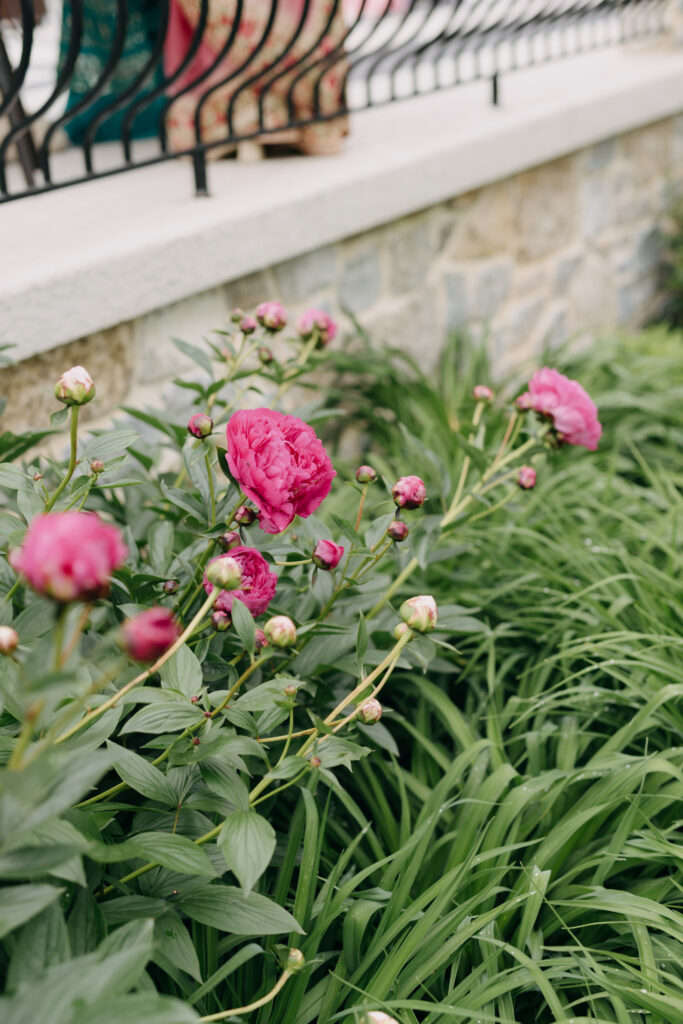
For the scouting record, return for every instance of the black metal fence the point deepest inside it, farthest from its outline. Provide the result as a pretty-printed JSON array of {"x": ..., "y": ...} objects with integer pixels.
[{"x": 90, "y": 88}]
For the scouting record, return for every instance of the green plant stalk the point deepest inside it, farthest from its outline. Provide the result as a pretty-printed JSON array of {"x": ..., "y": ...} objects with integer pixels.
[
  {"x": 263, "y": 1001},
  {"x": 113, "y": 701},
  {"x": 466, "y": 461},
  {"x": 72, "y": 457},
  {"x": 212, "y": 492}
]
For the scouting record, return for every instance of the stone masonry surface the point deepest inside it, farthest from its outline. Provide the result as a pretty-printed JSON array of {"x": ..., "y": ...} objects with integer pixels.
[{"x": 553, "y": 253}]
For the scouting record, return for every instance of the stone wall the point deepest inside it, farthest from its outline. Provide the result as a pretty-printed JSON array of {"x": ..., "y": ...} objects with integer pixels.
[{"x": 556, "y": 252}]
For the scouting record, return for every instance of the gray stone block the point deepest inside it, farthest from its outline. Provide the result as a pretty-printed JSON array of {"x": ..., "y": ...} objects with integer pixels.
[
  {"x": 598, "y": 157},
  {"x": 457, "y": 307},
  {"x": 298, "y": 280},
  {"x": 361, "y": 281},
  {"x": 411, "y": 252},
  {"x": 492, "y": 287}
]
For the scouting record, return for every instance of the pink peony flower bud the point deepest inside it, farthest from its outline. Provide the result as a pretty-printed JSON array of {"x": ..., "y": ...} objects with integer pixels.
[
  {"x": 317, "y": 320},
  {"x": 370, "y": 712},
  {"x": 280, "y": 631},
  {"x": 248, "y": 325},
  {"x": 419, "y": 613},
  {"x": 69, "y": 556},
  {"x": 265, "y": 355},
  {"x": 258, "y": 582},
  {"x": 290, "y": 691},
  {"x": 224, "y": 572},
  {"x": 200, "y": 425},
  {"x": 365, "y": 475},
  {"x": 562, "y": 401},
  {"x": 150, "y": 634},
  {"x": 482, "y": 393},
  {"x": 75, "y": 387},
  {"x": 260, "y": 639},
  {"x": 97, "y": 466},
  {"x": 9, "y": 640},
  {"x": 296, "y": 961},
  {"x": 399, "y": 629},
  {"x": 236, "y": 315},
  {"x": 397, "y": 530},
  {"x": 229, "y": 540},
  {"x": 409, "y": 492},
  {"x": 271, "y": 315},
  {"x": 170, "y": 587},
  {"x": 244, "y": 515},
  {"x": 220, "y": 621},
  {"x": 327, "y": 555},
  {"x": 526, "y": 477},
  {"x": 314, "y": 761}
]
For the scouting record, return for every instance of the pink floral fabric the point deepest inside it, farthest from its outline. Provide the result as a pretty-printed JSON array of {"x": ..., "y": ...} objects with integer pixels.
[
  {"x": 245, "y": 71},
  {"x": 573, "y": 413}
]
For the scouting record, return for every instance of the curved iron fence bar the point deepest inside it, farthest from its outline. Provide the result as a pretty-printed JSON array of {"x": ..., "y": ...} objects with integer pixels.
[
  {"x": 233, "y": 74},
  {"x": 208, "y": 71},
  {"x": 62, "y": 81},
  {"x": 406, "y": 52},
  {"x": 93, "y": 93},
  {"x": 257, "y": 77},
  {"x": 148, "y": 97},
  {"x": 121, "y": 100},
  {"x": 336, "y": 5},
  {"x": 381, "y": 52},
  {"x": 18, "y": 76},
  {"x": 336, "y": 55}
]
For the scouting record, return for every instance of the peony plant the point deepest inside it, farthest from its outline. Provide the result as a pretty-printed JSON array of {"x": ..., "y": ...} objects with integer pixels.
[{"x": 189, "y": 656}]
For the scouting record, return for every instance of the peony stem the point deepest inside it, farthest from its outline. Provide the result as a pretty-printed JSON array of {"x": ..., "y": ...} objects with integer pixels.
[
  {"x": 361, "y": 504},
  {"x": 466, "y": 461},
  {"x": 239, "y": 1010},
  {"x": 113, "y": 701},
  {"x": 212, "y": 493},
  {"x": 407, "y": 571},
  {"x": 80, "y": 626},
  {"x": 72, "y": 457}
]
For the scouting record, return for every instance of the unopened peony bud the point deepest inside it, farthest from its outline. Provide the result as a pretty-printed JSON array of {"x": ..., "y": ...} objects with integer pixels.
[
  {"x": 271, "y": 315},
  {"x": 260, "y": 639},
  {"x": 419, "y": 613},
  {"x": 399, "y": 629},
  {"x": 97, "y": 466},
  {"x": 397, "y": 530},
  {"x": 248, "y": 325},
  {"x": 317, "y": 320},
  {"x": 327, "y": 555},
  {"x": 170, "y": 587},
  {"x": 9, "y": 640},
  {"x": 376, "y": 1017},
  {"x": 526, "y": 477},
  {"x": 220, "y": 621},
  {"x": 200, "y": 425},
  {"x": 524, "y": 402},
  {"x": 224, "y": 572},
  {"x": 290, "y": 691},
  {"x": 150, "y": 634},
  {"x": 245, "y": 515},
  {"x": 236, "y": 315},
  {"x": 314, "y": 761},
  {"x": 265, "y": 355},
  {"x": 370, "y": 712},
  {"x": 409, "y": 492},
  {"x": 37, "y": 477},
  {"x": 365, "y": 475},
  {"x": 75, "y": 387},
  {"x": 229, "y": 540},
  {"x": 296, "y": 961},
  {"x": 482, "y": 393},
  {"x": 280, "y": 631}
]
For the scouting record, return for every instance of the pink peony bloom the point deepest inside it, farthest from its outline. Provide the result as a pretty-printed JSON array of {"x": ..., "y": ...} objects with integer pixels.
[
  {"x": 258, "y": 582},
  {"x": 574, "y": 415},
  {"x": 327, "y": 555},
  {"x": 271, "y": 315},
  {"x": 409, "y": 492},
  {"x": 526, "y": 477},
  {"x": 150, "y": 634},
  {"x": 280, "y": 464},
  {"x": 317, "y": 319},
  {"x": 70, "y": 556}
]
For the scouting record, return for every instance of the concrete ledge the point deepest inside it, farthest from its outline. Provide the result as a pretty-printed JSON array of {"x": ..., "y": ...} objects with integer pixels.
[{"x": 86, "y": 258}]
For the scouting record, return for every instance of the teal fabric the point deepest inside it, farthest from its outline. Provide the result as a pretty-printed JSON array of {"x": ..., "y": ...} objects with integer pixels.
[{"x": 99, "y": 27}]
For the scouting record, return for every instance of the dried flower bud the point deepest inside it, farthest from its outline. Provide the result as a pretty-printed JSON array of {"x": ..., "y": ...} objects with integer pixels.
[
  {"x": 271, "y": 315},
  {"x": 224, "y": 572},
  {"x": 526, "y": 477},
  {"x": 397, "y": 530},
  {"x": 409, "y": 492},
  {"x": 9, "y": 640},
  {"x": 314, "y": 762},
  {"x": 75, "y": 387},
  {"x": 420, "y": 613},
  {"x": 196, "y": 741},
  {"x": 327, "y": 555},
  {"x": 220, "y": 621},
  {"x": 97, "y": 466},
  {"x": 370, "y": 712},
  {"x": 248, "y": 325},
  {"x": 265, "y": 355},
  {"x": 200, "y": 425},
  {"x": 399, "y": 629},
  {"x": 244, "y": 515},
  {"x": 195, "y": 699},
  {"x": 290, "y": 691},
  {"x": 365, "y": 475},
  {"x": 229, "y": 540},
  {"x": 170, "y": 587},
  {"x": 482, "y": 393},
  {"x": 280, "y": 631},
  {"x": 296, "y": 961},
  {"x": 37, "y": 477},
  {"x": 260, "y": 639}
]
